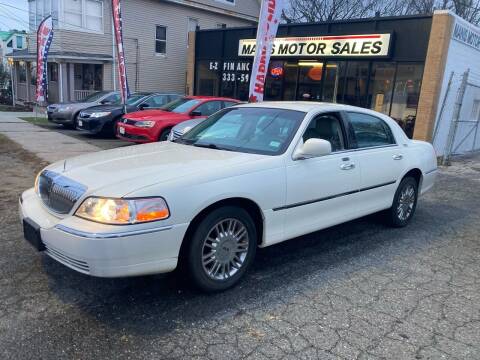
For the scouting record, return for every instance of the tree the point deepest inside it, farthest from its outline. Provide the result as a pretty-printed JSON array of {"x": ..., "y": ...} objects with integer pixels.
[{"x": 323, "y": 10}]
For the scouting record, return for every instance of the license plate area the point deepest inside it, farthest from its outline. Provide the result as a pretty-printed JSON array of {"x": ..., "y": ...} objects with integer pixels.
[
  {"x": 121, "y": 130},
  {"x": 80, "y": 123},
  {"x": 31, "y": 232}
]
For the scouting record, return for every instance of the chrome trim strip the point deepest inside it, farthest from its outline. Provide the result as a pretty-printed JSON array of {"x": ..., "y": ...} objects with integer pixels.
[
  {"x": 308, "y": 202},
  {"x": 431, "y": 171},
  {"x": 90, "y": 235}
]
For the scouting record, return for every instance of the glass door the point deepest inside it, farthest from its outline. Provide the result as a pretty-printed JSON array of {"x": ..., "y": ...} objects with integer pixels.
[{"x": 310, "y": 80}]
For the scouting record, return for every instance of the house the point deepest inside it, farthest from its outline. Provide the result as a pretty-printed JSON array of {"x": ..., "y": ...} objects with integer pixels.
[
  {"x": 9, "y": 41},
  {"x": 156, "y": 33}
]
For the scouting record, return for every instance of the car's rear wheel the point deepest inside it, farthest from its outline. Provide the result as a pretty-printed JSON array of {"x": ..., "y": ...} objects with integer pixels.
[
  {"x": 164, "y": 135},
  {"x": 221, "y": 249},
  {"x": 404, "y": 203}
]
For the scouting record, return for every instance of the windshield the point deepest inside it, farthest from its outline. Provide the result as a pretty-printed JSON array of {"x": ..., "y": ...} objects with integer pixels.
[
  {"x": 252, "y": 130},
  {"x": 95, "y": 96},
  {"x": 181, "y": 105}
]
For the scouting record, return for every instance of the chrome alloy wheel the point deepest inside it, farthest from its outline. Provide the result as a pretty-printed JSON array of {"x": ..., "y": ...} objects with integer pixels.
[
  {"x": 225, "y": 249},
  {"x": 406, "y": 202}
]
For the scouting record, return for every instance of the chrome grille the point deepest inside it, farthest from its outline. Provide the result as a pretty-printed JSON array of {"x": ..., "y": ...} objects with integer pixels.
[
  {"x": 59, "y": 193},
  {"x": 76, "y": 264},
  {"x": 128, "y": 121},
  {"x": 176, "y": 134}
]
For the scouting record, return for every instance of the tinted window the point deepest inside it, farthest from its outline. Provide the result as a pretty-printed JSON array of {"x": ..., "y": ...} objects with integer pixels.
[
  {"x": 229, "y": 103},
  {"x": 326, "y": 127},
  {"x": 156, "y": 101},
  {"x": 209, "y": 108},
  {"x": 114, "y": 98},
  {"x": 181, "y": 105},
  {"x": 370, "y": 130},
  {"x": 95, "y": 96}
]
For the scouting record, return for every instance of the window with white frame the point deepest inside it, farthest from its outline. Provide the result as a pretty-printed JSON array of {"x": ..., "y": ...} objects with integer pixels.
[
  {"x": 161, "y": 40},
  {"x": 83, "y": 14},
  {"x": 39, "y": 9},
  {"x": 476, "y": 110}
]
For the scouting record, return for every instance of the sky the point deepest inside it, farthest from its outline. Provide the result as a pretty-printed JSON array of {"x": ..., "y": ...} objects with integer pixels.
[{"x": 12, "y": 18}]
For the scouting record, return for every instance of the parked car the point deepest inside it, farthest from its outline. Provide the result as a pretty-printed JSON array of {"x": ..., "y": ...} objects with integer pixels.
[
  {"x": 249, "y": 176},
  {"x": 103, "y": 118},
  {"x": 155, "y": 125},
  {"x": 182, "y": 128},
  {"x": 67, "y": 113}
]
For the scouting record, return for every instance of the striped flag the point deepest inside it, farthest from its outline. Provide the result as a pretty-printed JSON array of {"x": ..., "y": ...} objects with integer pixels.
[
  {"x": 44, "y": 39},
  {"x": 270, "y": 13},
  {"x": 122, "y": 71}
]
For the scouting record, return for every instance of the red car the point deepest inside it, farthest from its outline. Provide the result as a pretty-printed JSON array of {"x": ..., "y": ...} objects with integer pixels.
[{"x": 155, "y": 125}]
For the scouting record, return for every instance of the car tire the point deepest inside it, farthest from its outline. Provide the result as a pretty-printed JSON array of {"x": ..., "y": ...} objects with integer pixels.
[
  {"x": 164, "y": 135},
  {"x": 404, "y": 203},
  {"x": 221, "y": 249}
]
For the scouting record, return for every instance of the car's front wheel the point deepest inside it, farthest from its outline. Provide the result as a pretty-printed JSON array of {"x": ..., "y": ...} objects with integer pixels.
[
  {"x": 164, "y": 135},
  {"x": 222, "y": 248},
  {"x": 404, "y": 203}
]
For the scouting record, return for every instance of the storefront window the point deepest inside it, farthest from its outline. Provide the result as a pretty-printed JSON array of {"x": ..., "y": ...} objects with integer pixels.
[
  {"x": 405, "y": 95},
  {"x": 274, "y": 81},
  {"x": 381, "y": 87},
  {"x": 208, "y": 77},
  {"x": 53, "y": 71},
  {"x": 333, "y": 72},
  {"x": 310, "y": 80},
  {"x": 235, "y": 78},
  {"x": 354, "y": 86},
  {"x": 290, "y": 80}
]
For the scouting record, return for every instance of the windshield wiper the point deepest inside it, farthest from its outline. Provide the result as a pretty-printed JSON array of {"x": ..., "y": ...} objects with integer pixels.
[{"x": 210, "y": 146}]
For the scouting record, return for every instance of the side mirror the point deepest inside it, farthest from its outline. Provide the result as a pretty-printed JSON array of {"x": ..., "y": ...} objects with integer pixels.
[
  {"x": 313, "y": 148},
  {"x": 105, "y": 102},
  {"x": 196, "y": 113},
  {"x": 143, "y": 106}
]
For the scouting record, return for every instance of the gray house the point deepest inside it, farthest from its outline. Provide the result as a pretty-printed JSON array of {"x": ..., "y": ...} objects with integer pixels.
[{"x": 156, "y": 40}]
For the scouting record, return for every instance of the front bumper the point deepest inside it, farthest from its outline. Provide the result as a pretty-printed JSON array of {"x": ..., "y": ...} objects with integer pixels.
[
  {"x": 93, "y": 125},
  {"x": 136, "y": 134},
  {"x": 60, "y": 117},
  {"x": 105, "y": 250}
]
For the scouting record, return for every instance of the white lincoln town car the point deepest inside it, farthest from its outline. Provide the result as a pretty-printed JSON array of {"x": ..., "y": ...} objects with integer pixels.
[{"x": 249, "y": 176}]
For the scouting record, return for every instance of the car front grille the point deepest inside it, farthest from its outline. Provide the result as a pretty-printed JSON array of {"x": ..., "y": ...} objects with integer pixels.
[
  {"x": 59, "y": 193},
  {"x": 134, "y": 137},
  {"x": 61, "y": 257},
  {"x": 84, "y": 115}
]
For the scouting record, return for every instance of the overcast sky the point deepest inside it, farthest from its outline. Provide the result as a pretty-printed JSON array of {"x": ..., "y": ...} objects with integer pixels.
[{"x": 11, "y": 17}]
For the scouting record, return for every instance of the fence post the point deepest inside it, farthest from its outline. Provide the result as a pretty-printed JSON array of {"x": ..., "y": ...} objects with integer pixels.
[
  {"x": 442, "y": 109},
  {"x": 456, "y": 117}
]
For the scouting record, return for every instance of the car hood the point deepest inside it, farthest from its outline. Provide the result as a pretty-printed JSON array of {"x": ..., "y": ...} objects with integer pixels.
[
  {"x": 157, "y": 115},
  {"x": 187, "y": 125},
  {"x": 123, "y": 170}
]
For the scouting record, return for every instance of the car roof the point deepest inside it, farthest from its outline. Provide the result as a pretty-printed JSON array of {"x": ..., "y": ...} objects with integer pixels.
[{"x": 207, "y": 97}]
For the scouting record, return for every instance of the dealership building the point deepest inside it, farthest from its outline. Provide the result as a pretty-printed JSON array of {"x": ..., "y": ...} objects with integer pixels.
[{"x": 400, "y": 66}]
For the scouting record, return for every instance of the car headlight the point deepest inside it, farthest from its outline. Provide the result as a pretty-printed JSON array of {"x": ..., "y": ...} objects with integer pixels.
[
  {"x": 145, "y": 124},
  {"x": 100, "y": 114},
  {"x": 123, "y": 211}
]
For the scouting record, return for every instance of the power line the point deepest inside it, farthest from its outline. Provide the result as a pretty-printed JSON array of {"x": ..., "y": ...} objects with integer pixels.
[{"x": 9, "y": 12}]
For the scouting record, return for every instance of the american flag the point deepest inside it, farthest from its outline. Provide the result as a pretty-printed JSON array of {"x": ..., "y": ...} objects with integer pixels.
[
  {"x": 44, "y": 39},
  {"x": 122, "y": 71}
]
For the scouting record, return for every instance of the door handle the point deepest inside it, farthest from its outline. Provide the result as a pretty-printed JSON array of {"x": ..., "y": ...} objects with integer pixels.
[
  {"x": 397, "y": 157},
  {"x": 347, "y": 166}
]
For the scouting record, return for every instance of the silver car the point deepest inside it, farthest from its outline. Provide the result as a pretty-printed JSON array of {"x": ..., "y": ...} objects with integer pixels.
[
  {"x": 66, "y": 113},
  {"x": 182, "y": 128}
]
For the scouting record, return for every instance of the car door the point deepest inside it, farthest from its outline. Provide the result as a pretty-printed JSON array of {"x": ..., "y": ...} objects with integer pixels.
[
  {"x": 208, "y": 108},
  {"x": 380, "y": 157},
  {"x": 321, "y": 191}
]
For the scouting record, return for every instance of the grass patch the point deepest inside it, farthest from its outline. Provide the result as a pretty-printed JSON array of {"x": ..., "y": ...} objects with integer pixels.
[{"x": 40, "y": 120}]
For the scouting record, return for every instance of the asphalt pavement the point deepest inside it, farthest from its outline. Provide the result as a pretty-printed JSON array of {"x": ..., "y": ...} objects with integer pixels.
[{"x": 356, "y": 291}]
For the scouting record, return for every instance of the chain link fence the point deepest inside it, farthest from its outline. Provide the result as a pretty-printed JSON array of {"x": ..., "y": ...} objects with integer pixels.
[{"x": 457, "y": 127}]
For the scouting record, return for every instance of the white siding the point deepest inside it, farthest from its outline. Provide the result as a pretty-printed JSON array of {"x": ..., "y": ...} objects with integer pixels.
[{"x": 460, "y": 58}]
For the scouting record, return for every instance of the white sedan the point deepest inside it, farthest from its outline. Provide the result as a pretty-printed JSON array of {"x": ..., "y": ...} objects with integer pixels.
[{"x": 249, "y": 176}]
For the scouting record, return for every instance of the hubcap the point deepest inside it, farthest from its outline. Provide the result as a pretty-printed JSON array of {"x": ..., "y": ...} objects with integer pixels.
[
  {"x": 406, "y": 202},
  {"x": 225, "y": 249}
]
